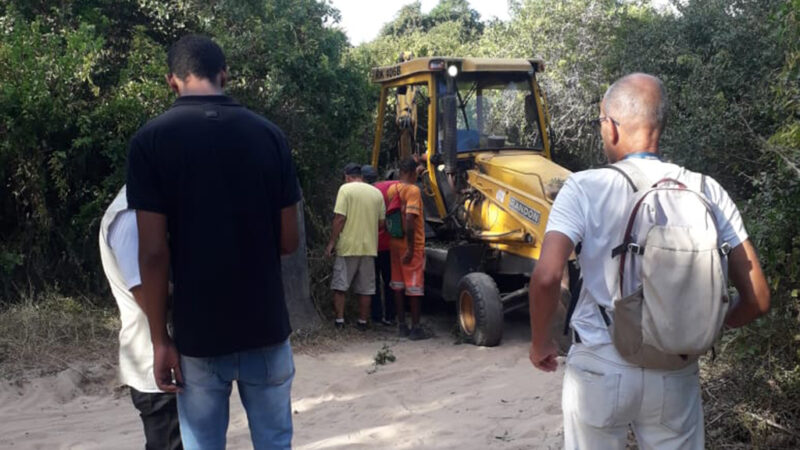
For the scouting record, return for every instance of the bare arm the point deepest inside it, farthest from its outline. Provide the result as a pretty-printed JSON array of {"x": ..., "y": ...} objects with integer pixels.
[
  {"x": 137, "y": 296},
  {"x": 543, "y": 296},
  {"x": 410, "y": 230},
  {"x": 748, "y": 278},
  {"x": 289, "y": 237},
  {"x": 154, "y": 267},
  {"x": 338, "y": 225}
]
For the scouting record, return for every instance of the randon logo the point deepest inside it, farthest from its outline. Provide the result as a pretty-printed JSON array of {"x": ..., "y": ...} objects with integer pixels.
[{"x": 529, "y": 213}]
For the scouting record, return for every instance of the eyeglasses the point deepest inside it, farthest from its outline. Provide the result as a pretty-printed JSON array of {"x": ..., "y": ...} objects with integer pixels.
[{"x": 596, "y": 122}]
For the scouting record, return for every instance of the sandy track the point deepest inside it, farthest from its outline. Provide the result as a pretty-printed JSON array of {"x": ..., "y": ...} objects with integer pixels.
[{"x": 436, "y": 395}]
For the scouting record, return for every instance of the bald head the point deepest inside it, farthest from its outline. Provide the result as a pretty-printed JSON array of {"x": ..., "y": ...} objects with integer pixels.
[{"x": 638, "y": 102}]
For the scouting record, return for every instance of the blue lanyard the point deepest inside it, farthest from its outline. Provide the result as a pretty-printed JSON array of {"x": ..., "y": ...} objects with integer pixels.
[{"x": 643, "y": 155}]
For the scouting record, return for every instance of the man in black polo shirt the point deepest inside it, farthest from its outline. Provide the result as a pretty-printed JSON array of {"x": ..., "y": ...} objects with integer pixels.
[{"x": 215, "y": 192}]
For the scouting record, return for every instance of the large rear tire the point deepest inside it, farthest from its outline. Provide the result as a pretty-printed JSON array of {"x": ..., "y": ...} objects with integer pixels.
[{"x": 480, "y": 311}]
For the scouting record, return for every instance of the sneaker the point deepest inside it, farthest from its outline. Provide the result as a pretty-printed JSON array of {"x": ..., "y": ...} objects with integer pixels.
[
  {"x": 339, "y": 325},
  {"x": 402, "y": 330},
  {"x": 418, "y": 333},
  {"x": 387, "y": 323},
  {"x": 362, "y": 326}
]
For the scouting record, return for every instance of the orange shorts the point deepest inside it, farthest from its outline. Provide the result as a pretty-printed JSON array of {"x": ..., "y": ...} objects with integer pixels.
[{"x": 409, "y": 277}]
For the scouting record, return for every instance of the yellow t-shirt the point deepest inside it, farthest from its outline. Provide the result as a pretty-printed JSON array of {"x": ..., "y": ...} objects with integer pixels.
[{"x": 362, "y": 205}]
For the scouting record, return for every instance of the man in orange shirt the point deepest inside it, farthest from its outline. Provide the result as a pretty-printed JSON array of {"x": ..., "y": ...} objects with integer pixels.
[{"x": 408, "y": 252}]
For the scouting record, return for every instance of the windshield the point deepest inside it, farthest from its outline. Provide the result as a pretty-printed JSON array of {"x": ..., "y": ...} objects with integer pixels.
[{"x": 496, "y": 111}]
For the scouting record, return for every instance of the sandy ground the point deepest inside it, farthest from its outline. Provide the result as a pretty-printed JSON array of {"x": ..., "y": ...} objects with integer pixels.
[{"x": 435, "y": 395}]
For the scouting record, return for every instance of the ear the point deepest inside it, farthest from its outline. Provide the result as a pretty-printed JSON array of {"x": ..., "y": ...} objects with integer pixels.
[
  {"x": 223, "y": 78},
  {"x": 173, "y": 85},
  {"x": 614, "y": 132}
]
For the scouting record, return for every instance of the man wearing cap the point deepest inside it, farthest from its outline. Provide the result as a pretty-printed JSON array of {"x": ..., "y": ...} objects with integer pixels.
[
  {"x": 358, "y": 214},
  {"x": 382, "y": 312}
]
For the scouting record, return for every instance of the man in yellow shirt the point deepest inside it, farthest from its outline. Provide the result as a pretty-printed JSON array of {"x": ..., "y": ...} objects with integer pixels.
[{"x": 358, "y": 214}]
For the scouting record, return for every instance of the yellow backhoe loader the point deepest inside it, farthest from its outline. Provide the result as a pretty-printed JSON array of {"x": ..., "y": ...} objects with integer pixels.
[{"x": 480, "y": 126}]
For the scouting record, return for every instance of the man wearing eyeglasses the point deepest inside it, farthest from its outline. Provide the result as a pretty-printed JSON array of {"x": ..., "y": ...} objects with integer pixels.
[{"x": 603, "y": 393}]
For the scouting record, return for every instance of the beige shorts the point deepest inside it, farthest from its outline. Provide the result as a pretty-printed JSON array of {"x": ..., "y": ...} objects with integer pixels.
[{"x": 355, "y": 271}]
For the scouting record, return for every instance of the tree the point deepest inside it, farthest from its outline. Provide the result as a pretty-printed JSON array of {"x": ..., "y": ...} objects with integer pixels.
[
  {"x": 411, "y": 19},
  {"x": 78, "y": 77}
]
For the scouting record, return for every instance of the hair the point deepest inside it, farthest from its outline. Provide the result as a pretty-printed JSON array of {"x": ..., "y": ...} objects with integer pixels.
[
  {"x": 196, "y": 55},
  {"x": 631, "y": 102},
  {"x": 369, "y": 173},
  {"x": 352, "y": 170},
  {"x": 408, "y": 165}
]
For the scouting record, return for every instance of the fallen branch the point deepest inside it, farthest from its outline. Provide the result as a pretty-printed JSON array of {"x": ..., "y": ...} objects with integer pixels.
[
  {"x": 773, "y": 424},
  {"x": 721, "y": 415},
  {"x": 708, "y": 392}
]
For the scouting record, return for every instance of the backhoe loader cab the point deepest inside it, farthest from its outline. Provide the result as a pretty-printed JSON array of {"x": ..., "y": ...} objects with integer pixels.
[{"x": 480, "y": 127}]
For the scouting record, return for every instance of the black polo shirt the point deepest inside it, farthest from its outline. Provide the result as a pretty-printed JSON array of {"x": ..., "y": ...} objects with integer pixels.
[{"x": 221, "y": 174}]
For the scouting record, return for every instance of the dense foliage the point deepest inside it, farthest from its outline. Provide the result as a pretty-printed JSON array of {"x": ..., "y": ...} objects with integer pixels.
[{"x": 78, "y": 77}]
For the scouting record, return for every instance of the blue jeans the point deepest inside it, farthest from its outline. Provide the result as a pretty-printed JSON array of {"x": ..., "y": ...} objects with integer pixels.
[{"x": 264, "y": 378}]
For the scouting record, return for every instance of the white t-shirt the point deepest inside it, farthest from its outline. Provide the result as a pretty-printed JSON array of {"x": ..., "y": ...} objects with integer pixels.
[
  {"x": 119, "y": 249},
  {"x": 123, "y": 237},
  {"x": 591, "y": 209}
]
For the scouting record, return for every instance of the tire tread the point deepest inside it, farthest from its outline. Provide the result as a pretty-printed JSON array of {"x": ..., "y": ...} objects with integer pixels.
[{"x": 487, "y": 306}]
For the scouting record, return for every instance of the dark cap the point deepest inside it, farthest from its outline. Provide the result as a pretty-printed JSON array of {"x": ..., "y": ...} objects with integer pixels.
[
  {"x": 352, "y": 169},
  {"x": 369, "y": 173}
]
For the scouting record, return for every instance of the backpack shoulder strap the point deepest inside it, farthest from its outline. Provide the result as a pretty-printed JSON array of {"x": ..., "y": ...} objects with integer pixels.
[
  {"x": 635, "y": 177},
  {"x": 624, "y": 174},
  {"x": 643, "y": 184},
  {"x": 393, "y": 191},
  {"x": 703, "y": 185}
]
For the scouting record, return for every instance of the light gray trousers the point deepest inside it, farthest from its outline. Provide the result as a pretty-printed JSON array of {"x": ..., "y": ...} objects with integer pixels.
[{"x": 603, "y": 394}]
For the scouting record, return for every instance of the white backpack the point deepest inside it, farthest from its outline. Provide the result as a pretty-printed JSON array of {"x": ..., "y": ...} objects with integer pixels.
[{"x": 671, "y": 295}]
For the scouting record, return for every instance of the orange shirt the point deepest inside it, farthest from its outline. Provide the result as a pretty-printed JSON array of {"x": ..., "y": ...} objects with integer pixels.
[{"x": 411, "y": 198}]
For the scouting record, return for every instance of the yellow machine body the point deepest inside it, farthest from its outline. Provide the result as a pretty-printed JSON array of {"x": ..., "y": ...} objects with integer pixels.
[
  {"x": 512, "y": 213},
  {"x": 517, "y": 187}
]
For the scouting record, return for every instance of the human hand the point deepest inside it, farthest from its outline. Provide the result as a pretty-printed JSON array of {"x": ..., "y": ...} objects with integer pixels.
[
  {"x": 167, "y": 367},
  {"x": 543, "y": 356},
  {"x": 407, "y": 256},
  {"x": 329, "y": 249}
]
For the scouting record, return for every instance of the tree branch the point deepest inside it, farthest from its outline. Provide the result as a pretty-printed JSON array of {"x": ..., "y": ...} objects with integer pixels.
[
  {"x": 765, "y": 145},
  {"x": 773, "y": 424}
]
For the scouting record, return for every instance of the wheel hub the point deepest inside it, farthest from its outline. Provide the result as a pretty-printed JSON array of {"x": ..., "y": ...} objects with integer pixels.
[{"x": 466, "y": 313}]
